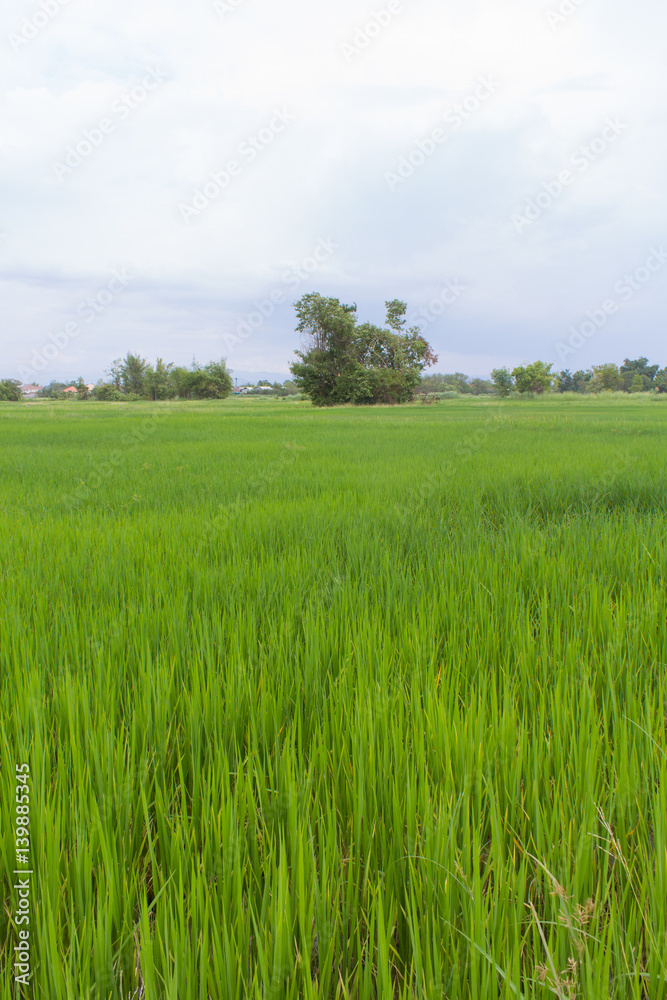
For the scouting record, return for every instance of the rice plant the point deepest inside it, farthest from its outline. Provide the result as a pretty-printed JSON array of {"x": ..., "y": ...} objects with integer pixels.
[{"x": 343, "y": 704}]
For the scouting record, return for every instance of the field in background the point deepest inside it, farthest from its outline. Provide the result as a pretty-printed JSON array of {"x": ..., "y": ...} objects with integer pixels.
[{"x": 350, "y": 703}]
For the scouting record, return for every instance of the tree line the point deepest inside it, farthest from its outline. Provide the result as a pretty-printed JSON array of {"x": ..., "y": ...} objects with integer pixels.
[
  {"x": 634, "y": 375},
  {"x": 344, "y": 361}
]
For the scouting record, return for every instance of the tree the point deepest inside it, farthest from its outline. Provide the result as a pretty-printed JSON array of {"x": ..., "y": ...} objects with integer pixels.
[
  {"x": 156, "y": 380},
  {"x": 502, "y": 381},
  {"x": 54, "y": 390},
  {"x": 116, "y": 372},
  {"x": 480, "y": 387},
  {"x": 660, "y": 380},
  {"x": 563, "y": 381},
  {"x": 107, "y": 392},
  {"x": 606, "y": 378},
  {"x": 133, "y": 373},
  {"x": 211, "y": 381},
  {"x": 349, "y": 363},
  {"x": 81, "y": 389},
  {"x": 10, "y": 390},
  {"x": 581, "y": 381},
  {"x": 639, "y": 367},
  {"x": 533, "y": 378}
]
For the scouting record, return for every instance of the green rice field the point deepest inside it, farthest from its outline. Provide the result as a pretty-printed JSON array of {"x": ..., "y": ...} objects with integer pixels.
[{"x": 351, "y": 703}]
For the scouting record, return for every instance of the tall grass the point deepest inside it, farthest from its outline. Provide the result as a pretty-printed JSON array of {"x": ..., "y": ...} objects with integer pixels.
[{"x": 337, "y": 704}]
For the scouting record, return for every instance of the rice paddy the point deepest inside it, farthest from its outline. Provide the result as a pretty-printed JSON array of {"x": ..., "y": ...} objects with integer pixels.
[{"x": 345, "y": 704}]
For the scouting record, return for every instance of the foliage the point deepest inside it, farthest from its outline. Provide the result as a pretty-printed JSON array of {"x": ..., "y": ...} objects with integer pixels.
[
  {"x": 210, "y": 381},
  {"x": 10, "y": 390},
  {"x": 54, "y": 390},
  {"x": 363, "y": 364},
  {"x": 638, "y": 375},
  {"x": 133, "y": 369},
  {"x": 536, "y": 377},
  {"x": 502, "y": 381},
  {"x": 107, "y": 392},
  {"x": 156, "y": 380},
  {"x": 606, "y": 378}
]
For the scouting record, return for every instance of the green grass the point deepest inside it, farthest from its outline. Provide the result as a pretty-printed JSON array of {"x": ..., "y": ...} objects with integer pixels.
[{"x": 350, "y": 703}]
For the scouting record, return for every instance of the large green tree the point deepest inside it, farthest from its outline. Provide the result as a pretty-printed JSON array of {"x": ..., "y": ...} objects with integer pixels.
[{"x": 344, "y": 362}]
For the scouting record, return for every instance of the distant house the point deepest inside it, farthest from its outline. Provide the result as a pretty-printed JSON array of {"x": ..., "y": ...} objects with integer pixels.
[
  {"x": 30, "y": 391},
  {"x": 71, "y": 389}
]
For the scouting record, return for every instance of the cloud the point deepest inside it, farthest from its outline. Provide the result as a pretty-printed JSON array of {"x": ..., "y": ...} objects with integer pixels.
[{"x": 223, "y": 73}]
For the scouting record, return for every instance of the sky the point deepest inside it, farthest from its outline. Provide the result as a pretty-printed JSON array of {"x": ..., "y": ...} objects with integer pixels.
[{"x": 175, "y": 176}]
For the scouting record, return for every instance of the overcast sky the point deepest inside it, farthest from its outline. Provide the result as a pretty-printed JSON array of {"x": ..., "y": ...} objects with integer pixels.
[{"x": 175, "y": 175}]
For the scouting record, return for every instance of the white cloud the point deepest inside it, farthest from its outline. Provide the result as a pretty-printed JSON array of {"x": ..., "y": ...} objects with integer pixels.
[{"x": 324, "y": 175}]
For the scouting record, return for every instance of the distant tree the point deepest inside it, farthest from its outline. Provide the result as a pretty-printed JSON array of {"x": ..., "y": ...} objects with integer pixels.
[
  {"x": 481, "y": 387},
  {"x": 660, "y": 380},
  {"x": 115, "y": 371},
  {"x": 639, "y": 367},
  {"x": 107, "y": 392},
  {"x": 502, "y": 381},
  {"x": 536, "y": 377},
  {"x": 563, "y": 381},
  {"x": 54, "y": 390},
  {"x": 10, "y": 390},
  {"x": 156, "y": 380},
  {"x": 81, "y": 389},
  {"x": 133, "y": 370},
  {"x": 606, "y": 378},
  {"x": 364, "y": 364},
  {"x": 211, "y": 381},
  {"x": 581, "y": 381}
]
